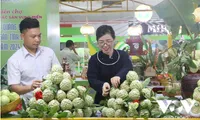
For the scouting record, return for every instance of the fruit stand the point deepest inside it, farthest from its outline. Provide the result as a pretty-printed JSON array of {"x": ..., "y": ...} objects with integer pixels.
[{"x": 62, "y": 97}]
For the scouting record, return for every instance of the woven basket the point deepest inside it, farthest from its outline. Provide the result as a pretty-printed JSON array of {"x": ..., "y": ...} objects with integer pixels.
[{"x": 10, "y": 107}]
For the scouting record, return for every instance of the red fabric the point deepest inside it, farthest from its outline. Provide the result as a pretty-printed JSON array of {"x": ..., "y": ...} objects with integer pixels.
[
  {"x": 19, "y": 107},
  {"x": 136, "y": 101},
  {"x": 65, "y": 25},
  {"x": 38, "y": 95}
]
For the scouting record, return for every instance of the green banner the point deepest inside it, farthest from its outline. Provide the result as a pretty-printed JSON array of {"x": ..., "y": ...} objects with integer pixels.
[{"x": 12, "y": 12}]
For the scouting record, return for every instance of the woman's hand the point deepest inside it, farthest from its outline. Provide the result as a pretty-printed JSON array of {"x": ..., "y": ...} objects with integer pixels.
[
  {"x": 105, "y": 89},
  {"x": 115, "y": 81}
]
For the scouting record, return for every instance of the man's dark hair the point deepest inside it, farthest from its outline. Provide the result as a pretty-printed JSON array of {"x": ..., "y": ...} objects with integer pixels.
[
  {"x": 105, "y": 29},
  {"x": 69, "y": 43},
  {"x": 28, "y": 23}
]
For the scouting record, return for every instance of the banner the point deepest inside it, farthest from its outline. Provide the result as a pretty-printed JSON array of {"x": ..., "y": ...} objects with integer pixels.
[{"x": 12, "y": 12}]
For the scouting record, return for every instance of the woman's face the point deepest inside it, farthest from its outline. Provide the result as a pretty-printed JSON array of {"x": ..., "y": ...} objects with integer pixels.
[{"x": 106, "y": 44}]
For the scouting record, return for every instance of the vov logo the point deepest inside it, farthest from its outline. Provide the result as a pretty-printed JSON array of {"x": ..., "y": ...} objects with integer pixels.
[{"x": 164, "y": 104}]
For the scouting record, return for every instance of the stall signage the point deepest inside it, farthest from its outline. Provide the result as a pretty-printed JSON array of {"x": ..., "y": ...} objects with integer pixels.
[{"x": 152, "y": 27}]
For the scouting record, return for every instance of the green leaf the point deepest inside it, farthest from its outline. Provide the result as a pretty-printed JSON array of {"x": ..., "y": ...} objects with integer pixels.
[
  {"x": 52, "y": 111},
  {"x": 175, "y": 15},
  {"x": 23, "y": 104},
  {"x": 34, "y": 113},
  {"x": 62, "y": 115},
  {"x": 144, "y": 43},
  {"x": 191, "y": 63},
  {"x": 146, "y": 82},
  {"x": 173, "y": 62}
]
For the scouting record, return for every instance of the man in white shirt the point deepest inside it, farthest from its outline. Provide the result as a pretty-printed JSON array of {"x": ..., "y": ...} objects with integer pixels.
[
  {"x": 27, "y": 66},
  {"x": 71, "y": 55}
]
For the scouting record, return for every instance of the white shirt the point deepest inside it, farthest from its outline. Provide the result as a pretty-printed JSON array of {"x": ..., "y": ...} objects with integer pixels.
[
  {"x": 71, "y": 58},
  {"x": 24, "y": 67}
]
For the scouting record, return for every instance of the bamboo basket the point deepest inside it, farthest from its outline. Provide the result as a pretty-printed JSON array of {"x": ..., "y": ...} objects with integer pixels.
[{"x": 10, "y": 107}]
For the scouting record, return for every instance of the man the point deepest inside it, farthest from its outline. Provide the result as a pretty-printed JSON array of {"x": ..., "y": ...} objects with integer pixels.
[
  {"x": 27, "y": 66},
  {"x": 71, "y": 55}
]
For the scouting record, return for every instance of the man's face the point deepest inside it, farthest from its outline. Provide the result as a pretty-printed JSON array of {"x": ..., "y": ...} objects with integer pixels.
[
  {"x": 31, "y": 38},
  {"x": 106, "y": 43}
]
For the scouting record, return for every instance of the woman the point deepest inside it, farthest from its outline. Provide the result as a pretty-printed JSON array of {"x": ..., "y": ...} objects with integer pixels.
[{"x": 108, "y": 67}]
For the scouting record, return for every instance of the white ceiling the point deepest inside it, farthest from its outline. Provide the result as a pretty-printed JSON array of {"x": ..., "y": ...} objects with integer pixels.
[
  {"x": 119, "y": 21},
  {"x": 101, "y": 17}
]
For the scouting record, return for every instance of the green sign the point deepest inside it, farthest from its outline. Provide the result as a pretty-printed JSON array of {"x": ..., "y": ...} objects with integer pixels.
[{"x": 12, "y": 12}]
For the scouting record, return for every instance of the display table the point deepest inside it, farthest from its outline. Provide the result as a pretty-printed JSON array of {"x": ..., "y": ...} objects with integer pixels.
[{"x": 100, "y": 119}]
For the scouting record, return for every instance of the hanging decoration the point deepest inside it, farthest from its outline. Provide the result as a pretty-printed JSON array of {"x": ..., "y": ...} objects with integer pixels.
[
  {"x": 143, "y": 16},
  {"x": 197, "y": 14},
  {"x": 87, "y": 29},
  {"x": 135, "y": 30}
]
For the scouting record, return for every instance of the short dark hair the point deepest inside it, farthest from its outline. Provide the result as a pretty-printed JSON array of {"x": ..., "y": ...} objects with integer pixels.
[
  {"x": 104, "y": 29},
  {"x": 28, "y": 23},
  {"x": 69, "y": 43}
]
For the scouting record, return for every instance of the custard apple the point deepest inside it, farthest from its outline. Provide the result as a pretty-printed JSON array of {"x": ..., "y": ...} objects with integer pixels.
[
  {"x": 144, "y": 113},
  {"x": 72, "y": 94},
  {"x": 89, "y": 100},
  {"x": 156, "y": 112},
  {"x": 28, "y": 109},
  {"x": 195, "y": 111},
  {"x": 119, "y": 101},
  {"x": 87, "y": 112},
  {"x": 103, "y": 111},
  {"x": 54, "y": 104},
  {"x": 147, "y": 92},
  {"x": 66, "y": 104},
  {"x": 48, "y": 95},
  {"x": 69, "y": 113},
  {"x": 66, "y": 75},
  {"x": 57, "y": 77},
  {"x": 78, "y": 113},
  {"x": 113, "y": 92},
  {"x": 116, "y": 106},
  {"x": 131, "y": 76},
  {"x": 81, "y": 90},
  {"x": 110, "y": 112},
  {"x": 136, "y": 85},
  {"x": 132, "y": 106},
  {"x": 46, "y": 84},
  {"x": 198, "y": 83},
  {"x": 32, "y": 102},
  {"x": 132, "y": 113},
  {"x": 110, "y": 102},
  {"x": 56, "y": 68},
  {"x": 122, "y": 94},
  {"x": 36, "y": 90},
  {"x": 48, "y": 77},
  {"x": 78, "y": 103},
  {"x": 120, "y": 113},
  {"x": 125, "y": 86},
  {"x": 55, "y": 115},
  {"x": 134, "y": 94},
  {"x": 65, "y": 85},
  {"x": 196, "y": 96},
  {"x": 146, "y": 104},
  {"x": 41, "y": 103},
  {"x": 61, "y": 95}
]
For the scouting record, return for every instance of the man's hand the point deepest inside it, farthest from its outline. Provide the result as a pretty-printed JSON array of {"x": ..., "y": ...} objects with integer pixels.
[
  {"x": 35, "y": 84},
  {"x": 105, "y": 89},
  {"x": 115, "y": 81}
]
